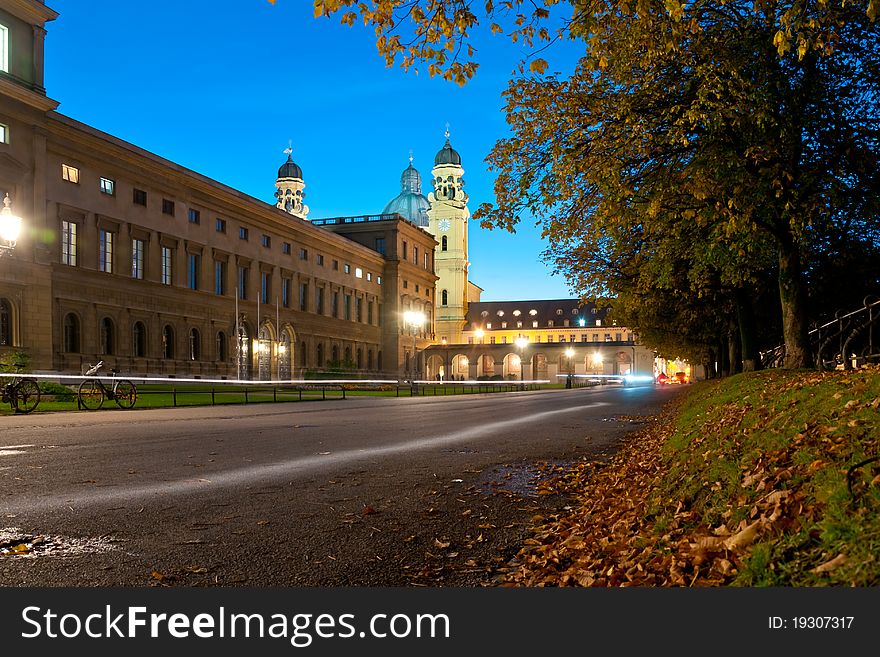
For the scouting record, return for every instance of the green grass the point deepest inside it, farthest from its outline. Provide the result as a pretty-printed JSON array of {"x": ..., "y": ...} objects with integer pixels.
[{"x": 797, "y": 432}]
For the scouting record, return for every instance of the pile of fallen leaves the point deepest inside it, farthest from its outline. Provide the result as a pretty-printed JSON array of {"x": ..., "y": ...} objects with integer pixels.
[{"x": 761, "y": 479}]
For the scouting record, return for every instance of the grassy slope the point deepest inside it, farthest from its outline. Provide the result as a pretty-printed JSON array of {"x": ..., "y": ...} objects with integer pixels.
[{"x": 744, "y": 482}]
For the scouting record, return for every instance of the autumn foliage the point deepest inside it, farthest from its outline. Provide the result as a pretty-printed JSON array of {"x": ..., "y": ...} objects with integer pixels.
[{"x": 767, "y": 479}]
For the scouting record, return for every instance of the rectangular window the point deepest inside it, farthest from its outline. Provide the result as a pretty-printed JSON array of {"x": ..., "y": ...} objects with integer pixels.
[
  {"x": 266, "y": 241},
  {"x": 195, "y": 217},
  {"x": 4, "y": 49},
  {"x": 303, "y": 254},
  {"x": 265, "y": 286},
  {"x": 504, "y": 325},
  {"x": 70, "y": 174},
  {"x": 319, "y": 300},
  {"x": 137, "y": 258},
  {"x": 304, "y": 296},
  {"x": 220, "y": 225},
  {"x": 405, "y": 251},
  {"x": 572, "y": 338},
  {"x": 415, "y": 255},
  {"x": 285, "y": 248},
  {"x": 193, "y": 264},
  {"x": 335, "y": 307},
  {"x": 427, "y": 260},
  {"x": 167, "y": 207},
  {"x": 4, "y": 132},
  {"x": 492, "y": 340},
  {"x": 108, "y": 186},
  {"x": 319, "y": 259},
  {"x": 369, "y": 276},
  {"x": 105, "y": 251},
  {"x": 378, "y": 280},
  {"x": 68, "y": 243},
  {"x": 358, "y": 272},
  {"x": 595, "y": 337},
  {"x": 335, "y": 265},
  {"x": 503, "y": 339},
  {"x": 347, "y": 307},
  {"x": 535, "y": 323},
  {"x": 242, "y": 282},
  {"x": 380, "y": 245},
  {"x": 285, "y": 292},
  {"x": 219, "y": 277},
  {"x": 488, "y": 325},
  {"x": 139, "y": 197},
  {"x": 167, "y": 258},
  {"x": 369, "y": 312},
  {"x": 583, "y": 337},
  {"x": 617, "y": 337},
  {"x": 242, "y": 233},
  {"x": 346, "y": 268},
  {"x": 358, "y": 307},
  {"x": 405, "y": 284}
]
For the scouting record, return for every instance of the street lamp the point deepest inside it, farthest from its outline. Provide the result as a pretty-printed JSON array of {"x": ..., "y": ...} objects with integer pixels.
[
  {"x": 10, "y": 227},
  {"x": 415, "y": 320},
  {"x": 570, "y": 354},
  {"x": 522, "y": 342},
  {"x": 479, "y": 333},
  {"x": 445, "y": 359},
  {"x": 596, "y": 360}
]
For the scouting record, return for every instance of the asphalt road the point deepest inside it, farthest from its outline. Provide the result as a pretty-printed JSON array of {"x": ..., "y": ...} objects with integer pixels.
[{"x": 364, "y": 491}]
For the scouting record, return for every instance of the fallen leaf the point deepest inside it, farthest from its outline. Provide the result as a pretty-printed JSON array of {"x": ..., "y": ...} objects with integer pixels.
[
  {"x": 830, "y": 565},
  {"x": 743, "y": 538}
]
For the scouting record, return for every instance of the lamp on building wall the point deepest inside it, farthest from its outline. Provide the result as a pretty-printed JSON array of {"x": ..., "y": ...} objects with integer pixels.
[
  {"x": 522, "y": 342},
  {"x": 10, "y": 227},
  {"x": 416, "y": 320},
  {"x": 479, "y": 334},
  {"x": 596, "y": 360},
  {"x": 445, "y": 359}
]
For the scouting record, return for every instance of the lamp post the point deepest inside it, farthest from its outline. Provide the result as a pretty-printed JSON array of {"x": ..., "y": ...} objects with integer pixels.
[
  {"x": 10, "y": 227},
  {"x": 570, "y": 354},
  {"x": 522, "y": 342},
  {"x": 445, "y": 359},
  {"x": 415, "y": 320},
  {"x": 479, "y": 334}
]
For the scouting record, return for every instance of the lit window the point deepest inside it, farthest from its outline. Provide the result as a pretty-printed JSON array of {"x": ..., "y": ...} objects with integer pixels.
[
  {"x": 4, "y": 134},
  {"x": 378, "y": 280},
  {"x": 346, "y": 269},
  {"x": 598, "y": 322},
  {"x": 69, "y": 173},
  {"x": 488, "y": 325},
  {"x": 108, "y": 186},
  {"x": 68, "y": 243},
  {"x": 516, "y": 313},
  {"x": 369, "y": 276},
  {"x": 4, "y": 49},
  {"x": 535, "y": 324},
  {"x": 358, "y": 272}
]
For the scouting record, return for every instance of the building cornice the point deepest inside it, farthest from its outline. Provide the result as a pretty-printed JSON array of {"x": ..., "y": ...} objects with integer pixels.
[
  {"x": 32, "y": 11},
  {"x": 24, "y": 95}
]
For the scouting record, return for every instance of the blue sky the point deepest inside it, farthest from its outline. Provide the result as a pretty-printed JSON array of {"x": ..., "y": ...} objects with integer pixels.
[{"x": 222, "y": 86}]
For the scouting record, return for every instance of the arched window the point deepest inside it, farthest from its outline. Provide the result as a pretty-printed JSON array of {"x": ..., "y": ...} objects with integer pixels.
[
  {"x": 71, "y": 333},
  {"x": 335, "y": 356},
  {"x": 369, "y": 359},
  {"x": 303, "y": 355},
  {"x": 195, "y": 344},
  {"x": 222, "y": 352},
  {"x": 444, "y": 243},
  {"x": 347, "y": 355},
  {"x": 319, "y": 354},
  {"x": 360, "y": 358},
  {"x": 139, "y": 340},
  {"x": 108, "y": 335},
  {"x": 5, "y": 322},
  {"x": 284, "y": 357},
  {"x": 168, "y": 342},
  {"x": 444, "y": 298}
]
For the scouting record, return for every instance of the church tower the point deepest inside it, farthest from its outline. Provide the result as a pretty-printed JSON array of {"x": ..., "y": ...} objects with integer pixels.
[
  {"x": 290, "y": 188},
  {"x": 448, "y": 217}
]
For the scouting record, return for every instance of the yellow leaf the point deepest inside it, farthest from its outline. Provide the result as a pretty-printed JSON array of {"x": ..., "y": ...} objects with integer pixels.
[
  {"x": 538, "y": 66},
  {"x": 743, "y": 538},
  {"x": 830, "y": 565}
]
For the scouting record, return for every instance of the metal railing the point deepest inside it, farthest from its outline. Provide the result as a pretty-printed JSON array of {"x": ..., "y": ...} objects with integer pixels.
[{"x": 846, "y": 342}]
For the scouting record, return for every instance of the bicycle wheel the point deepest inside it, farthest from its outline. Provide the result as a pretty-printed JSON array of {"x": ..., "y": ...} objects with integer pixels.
[
  {"x": 91, "y": 394},
  {"x": 27, "y": 396},
  {"x": 125, "y": 394}
]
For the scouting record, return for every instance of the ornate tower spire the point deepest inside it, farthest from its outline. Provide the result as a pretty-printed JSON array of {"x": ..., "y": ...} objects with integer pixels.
[{"x": 289, "y": 187}]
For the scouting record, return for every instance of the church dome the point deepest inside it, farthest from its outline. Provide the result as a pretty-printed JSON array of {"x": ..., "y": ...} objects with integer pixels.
[
  {"x": 290, "y": 169},
  {"x": 447, "y": 155},
  {"x": 410, "y": 203}
]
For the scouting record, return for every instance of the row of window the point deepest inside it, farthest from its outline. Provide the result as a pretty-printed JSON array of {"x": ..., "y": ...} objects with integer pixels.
[
  {"x": 139, "y": 197},
  {"x": 341, "y": 306},
  {"x": 585, "y": 337},
  {"x": 535, "y": 324},
  {"x": 108, "y": 344}
]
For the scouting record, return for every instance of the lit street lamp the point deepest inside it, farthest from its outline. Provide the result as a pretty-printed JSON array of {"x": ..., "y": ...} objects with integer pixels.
[
  {"x": 415, "y": 320},
  {"x": 570, "y": 354},
  {"x": 10, "y": 227},
  {"x": 479, "y": 333},
  {"x": 522, "y": 342},
  {"x": 445, "y": 359}
]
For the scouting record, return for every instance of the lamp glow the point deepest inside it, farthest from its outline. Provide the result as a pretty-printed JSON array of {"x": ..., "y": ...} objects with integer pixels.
[{"x": 10, "y": 225}]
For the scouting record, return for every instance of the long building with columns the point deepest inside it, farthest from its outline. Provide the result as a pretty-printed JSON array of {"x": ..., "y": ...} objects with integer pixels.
[{"x": 132, "y": 259}]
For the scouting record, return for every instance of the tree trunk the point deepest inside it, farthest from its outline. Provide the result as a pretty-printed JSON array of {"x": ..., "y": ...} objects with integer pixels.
[
  {"x": 748, "y": 330},
  {"x": 723, "y": 357},
  {"x": 733, "y": 349},
  {"x": 793, "y": 299}
]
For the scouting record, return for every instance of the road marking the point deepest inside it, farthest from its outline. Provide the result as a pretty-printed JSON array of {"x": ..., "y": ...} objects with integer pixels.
[
  {"x": 252, "y": 474},
  {"x": 10, "y": 450}
]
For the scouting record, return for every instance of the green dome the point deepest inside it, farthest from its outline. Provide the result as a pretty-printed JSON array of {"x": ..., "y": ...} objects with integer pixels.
[{"x": 410, "y": 203}]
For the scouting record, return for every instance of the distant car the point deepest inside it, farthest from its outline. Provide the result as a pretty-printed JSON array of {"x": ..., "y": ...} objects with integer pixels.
[{"x": 680, "y": 377}]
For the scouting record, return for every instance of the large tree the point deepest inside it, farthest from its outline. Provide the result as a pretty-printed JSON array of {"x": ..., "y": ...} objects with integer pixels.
[{"x": 755, "y": 121}]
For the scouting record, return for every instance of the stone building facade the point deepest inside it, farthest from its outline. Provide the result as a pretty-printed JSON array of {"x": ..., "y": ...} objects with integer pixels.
[{"x": 132, "y": 259}]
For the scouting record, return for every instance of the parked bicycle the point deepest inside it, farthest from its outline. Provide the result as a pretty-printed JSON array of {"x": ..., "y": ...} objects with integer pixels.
[
  {"x": 22, "y": 394},
  {"x": 93, "y": 391}
]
